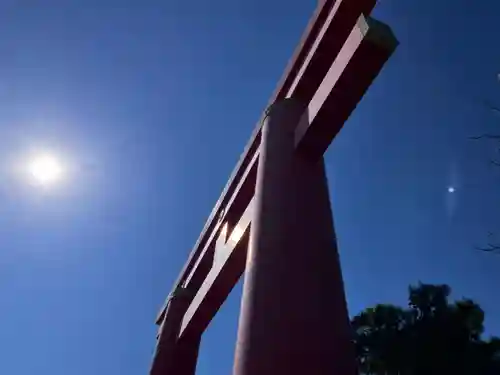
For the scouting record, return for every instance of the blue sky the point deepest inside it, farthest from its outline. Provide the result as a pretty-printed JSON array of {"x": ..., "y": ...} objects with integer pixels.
[{"x": 150, "y": 103}]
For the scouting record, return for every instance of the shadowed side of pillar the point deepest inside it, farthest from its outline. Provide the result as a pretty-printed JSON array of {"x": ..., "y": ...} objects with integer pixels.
[
  {"x": 293, "y": 314},
  {"x": 186, "y": 356},
  {"x": 165, "y": 355}
]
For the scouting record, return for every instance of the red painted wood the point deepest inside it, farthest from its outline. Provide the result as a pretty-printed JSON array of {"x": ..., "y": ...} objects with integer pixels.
[
  {"x": 366, "y": 50},
  {"x": 293, "y": 316},
  {"x": 288, "y": 224},
  {"x": 164, "y": 356},
  {"x": 236, "y": 205},
  {"x": 325, "y": 48},
  {"x": 307, "y": 40},
  {"x": 229, "y": 264}
]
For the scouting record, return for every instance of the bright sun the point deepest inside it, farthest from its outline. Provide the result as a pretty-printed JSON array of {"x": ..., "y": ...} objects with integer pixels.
[{"x": 45, "y": 169}]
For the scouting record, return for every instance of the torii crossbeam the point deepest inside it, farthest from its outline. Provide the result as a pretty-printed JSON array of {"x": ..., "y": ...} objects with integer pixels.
[{"x": 273, "y": 221}]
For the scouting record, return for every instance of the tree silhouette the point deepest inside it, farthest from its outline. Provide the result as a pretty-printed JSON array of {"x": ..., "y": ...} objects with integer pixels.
[
  {"x": 492, "y": 246},
  {"x": 431, "y": 336}
]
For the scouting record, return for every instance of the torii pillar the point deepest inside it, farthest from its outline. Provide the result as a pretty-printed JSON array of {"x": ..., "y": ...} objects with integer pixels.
[{"x": 293, "y": 313}]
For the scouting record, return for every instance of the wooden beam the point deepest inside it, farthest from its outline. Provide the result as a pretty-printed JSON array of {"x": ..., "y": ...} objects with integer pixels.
[
  {"x": 234, "y": 210},
  {"x": 229, "y": 264},
  {"x": 327, "y": 45},
  {"x": 368, "y": 47},
  {"x": 236, "y": 203}
]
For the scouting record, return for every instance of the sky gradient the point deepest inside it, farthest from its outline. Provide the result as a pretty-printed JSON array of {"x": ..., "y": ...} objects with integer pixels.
[{"x": 150, "y": 104}]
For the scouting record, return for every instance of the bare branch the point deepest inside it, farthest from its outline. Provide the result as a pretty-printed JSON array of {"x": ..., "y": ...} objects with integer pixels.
[
  {"x": 486, "y": 136},
  {"x": 492, "y": 107},
  {"x": 490, "y": 249}
]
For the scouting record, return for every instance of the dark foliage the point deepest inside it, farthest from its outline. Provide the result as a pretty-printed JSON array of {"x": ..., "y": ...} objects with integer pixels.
[{"x": 431, "y": 336}]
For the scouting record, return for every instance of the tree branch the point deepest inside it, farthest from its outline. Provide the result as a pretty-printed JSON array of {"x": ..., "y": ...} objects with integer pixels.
[
  {"x": 491, "y": 248},
  {"x": 486, "y": 136},
  {"x": 492, "y": 107}
]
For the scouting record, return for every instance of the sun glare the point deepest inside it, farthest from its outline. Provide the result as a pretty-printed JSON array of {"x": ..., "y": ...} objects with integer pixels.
[{"x": 45, "y": 169}]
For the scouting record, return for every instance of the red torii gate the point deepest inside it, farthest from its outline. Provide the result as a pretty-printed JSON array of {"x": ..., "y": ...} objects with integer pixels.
[{"x": 273, "y": 220}]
